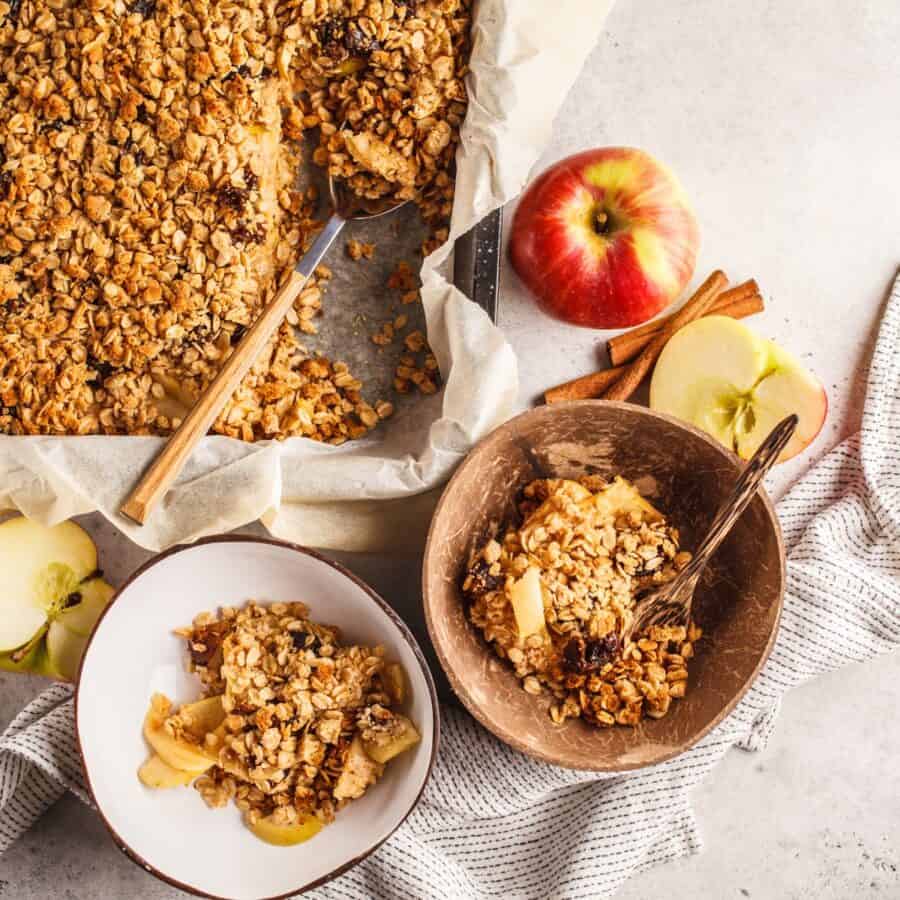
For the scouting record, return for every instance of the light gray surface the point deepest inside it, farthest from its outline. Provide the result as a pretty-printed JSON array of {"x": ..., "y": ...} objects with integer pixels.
[{"x": 780, "y": 119}]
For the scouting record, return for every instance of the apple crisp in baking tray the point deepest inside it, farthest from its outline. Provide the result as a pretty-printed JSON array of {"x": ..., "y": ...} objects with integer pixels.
[{"x": 161, "y": 164}]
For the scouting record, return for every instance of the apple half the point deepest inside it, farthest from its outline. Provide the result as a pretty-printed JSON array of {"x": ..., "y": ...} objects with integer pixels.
[
  {"x": 51, "y": 596},
  {"x": 719, "y": 375}
]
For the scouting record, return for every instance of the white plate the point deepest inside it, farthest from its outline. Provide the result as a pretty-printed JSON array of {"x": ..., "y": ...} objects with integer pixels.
[{"x": 133, "y": 653}]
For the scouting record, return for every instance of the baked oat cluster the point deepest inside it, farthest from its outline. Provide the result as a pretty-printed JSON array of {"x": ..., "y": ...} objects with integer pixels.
[
  {"x": 301, "y": 724},
  {"x": 148, "y": 200},
  {"x": 555, "y": 597}
]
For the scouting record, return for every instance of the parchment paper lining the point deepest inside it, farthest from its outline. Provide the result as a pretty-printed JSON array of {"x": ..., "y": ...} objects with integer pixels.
[{"x": 376, "y": 493}]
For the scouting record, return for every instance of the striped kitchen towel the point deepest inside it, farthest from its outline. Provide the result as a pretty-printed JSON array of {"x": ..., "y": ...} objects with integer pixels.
[{"x": 493, "y": 823}]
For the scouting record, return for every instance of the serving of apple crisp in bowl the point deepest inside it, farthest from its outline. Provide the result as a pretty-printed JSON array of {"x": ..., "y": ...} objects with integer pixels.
[
  {"x": 280, "y": 740},
  {"x": 292, "y": 727},
  {"x": 547, "y": 536},
  {"x": 555, "y": 597}
]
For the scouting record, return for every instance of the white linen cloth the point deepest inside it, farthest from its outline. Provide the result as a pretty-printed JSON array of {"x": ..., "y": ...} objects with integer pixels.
[{"x": 493, "y": 823}]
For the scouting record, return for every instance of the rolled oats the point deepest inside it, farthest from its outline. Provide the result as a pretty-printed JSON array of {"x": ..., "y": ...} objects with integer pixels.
[
  {"x": 596, "y": 548},
  {"x": 302, "y": 712},
  {"x": 147, "y": 206}
]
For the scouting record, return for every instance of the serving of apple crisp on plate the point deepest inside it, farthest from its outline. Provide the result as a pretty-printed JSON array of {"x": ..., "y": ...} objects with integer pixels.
[
  {"x": 555, "y": 597},
  {"x": 291, "y": 716},
  {"x": 293, "y": 725},
  {"x": 149, "y": 203}
]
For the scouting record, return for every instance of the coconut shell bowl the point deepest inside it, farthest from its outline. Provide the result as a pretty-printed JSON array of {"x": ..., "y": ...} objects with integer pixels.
[{"x": 686, "y": 475}]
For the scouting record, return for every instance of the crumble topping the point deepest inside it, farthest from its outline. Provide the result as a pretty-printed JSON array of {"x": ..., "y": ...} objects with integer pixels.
[
  {"x": 590, "y": 549},
  {"x": 294, "y": 724},
  {"x": 148, "y": 208}
]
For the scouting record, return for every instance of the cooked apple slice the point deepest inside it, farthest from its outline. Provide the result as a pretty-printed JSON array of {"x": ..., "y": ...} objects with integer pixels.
[
  {"x": 719, "y": 375},
  {"x": 41, "y": 567},
  {"x": 560, "y": 488},
  {"x": 527, "y": 599},
  {"x": 203, "y": 716},
  {"x": 178, "y": 754},
  {"x": 286, "y": 835},
  {"x": 407, "y": 737},
  {"x": 619, "y": 498},
  {"x": 395, "y": 682},
  {"x": 359, "y": 771},
  {"x": 155, "y": 773}
]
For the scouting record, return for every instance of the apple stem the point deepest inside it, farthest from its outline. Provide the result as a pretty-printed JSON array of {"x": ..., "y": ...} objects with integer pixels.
[{"x": 601, "y": 221}]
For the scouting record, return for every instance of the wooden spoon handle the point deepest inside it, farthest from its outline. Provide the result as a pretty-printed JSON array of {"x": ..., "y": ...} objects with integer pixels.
[
  {"x": 671, "y": 604},
  {"x": 742, "y": 493},
  {"x": 165, "y": 468}
]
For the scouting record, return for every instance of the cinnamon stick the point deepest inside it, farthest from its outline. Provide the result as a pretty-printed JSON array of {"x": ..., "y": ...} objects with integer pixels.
[
  {"x": 737, "y": 302},
  {"x": 637, "y": 370},
  {"x": 584, "y": 388}
]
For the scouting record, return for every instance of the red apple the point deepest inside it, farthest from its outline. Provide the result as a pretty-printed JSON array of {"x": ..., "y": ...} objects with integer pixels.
[{"x": 605, "y": 238}]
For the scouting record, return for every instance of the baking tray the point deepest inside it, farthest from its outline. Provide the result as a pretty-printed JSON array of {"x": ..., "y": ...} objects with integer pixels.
[{"x": 357, "y": 302}]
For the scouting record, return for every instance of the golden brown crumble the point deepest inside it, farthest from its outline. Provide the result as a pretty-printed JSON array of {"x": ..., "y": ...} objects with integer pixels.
[
  {"x": 300, "y": 713},
  {"x": 148, "y": 153},
  {"x": 411, "y": 372},
  {"x": 589, "y": 548},
  {"x": 385, "y": 335},
  {"x": 357, "y": 250}
]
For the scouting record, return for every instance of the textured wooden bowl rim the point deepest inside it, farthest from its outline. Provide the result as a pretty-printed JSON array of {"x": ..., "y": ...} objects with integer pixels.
[{"x": 458, "y": 684}]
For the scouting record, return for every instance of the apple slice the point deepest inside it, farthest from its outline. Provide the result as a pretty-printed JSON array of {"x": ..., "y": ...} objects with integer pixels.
[
  {"x": 155, "y": 773},
  {"x": 178, "y": 754},
  {"x": 619, "y": 498},
  {"x": 359, "y": 771},
  {"x": 560, "y": 489},
  {"x": 395, "y": 682},
  {"x": 41, "y": 567},
  {"x": 407, "y": 737},
  {"x": 527, "y": 599},
  {"x": 64, "y": 650},
  {"x": 719, "y": 375},
  {"x": 203, "y": 716},
  {"x": 286, "y": 835}
]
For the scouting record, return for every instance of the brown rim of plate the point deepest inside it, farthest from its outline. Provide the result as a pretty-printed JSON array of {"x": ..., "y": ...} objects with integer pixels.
[
  {"x": 392, "y": 614},
  {"x": 462, "y": 692}
]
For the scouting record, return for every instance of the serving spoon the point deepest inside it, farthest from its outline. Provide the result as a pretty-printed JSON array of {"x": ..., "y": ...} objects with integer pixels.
[
  {"x": 346, "y": 206},
  {"x": 671, "y": 603}
]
